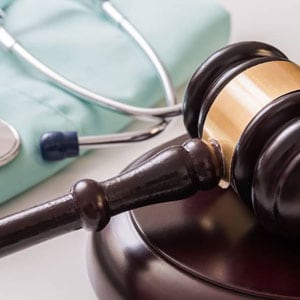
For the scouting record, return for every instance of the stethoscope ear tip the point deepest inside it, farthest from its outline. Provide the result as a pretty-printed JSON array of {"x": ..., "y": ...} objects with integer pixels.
[{"x": 58, "y": 145}]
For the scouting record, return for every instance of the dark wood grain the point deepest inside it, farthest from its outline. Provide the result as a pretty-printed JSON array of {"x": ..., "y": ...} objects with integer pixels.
[
  {"x": 39, "y": 223},
  {"x": 173, "y": 174}
]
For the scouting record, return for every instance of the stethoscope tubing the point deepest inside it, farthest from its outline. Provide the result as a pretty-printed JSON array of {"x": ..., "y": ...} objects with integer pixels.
[
  {"x": 11, "y": 44},
  {"x": 70, "y": 141},
  {"x": 98, "y": 141}
]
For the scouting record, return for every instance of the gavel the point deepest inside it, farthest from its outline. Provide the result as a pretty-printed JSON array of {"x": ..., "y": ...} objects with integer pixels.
[{"x": 242, "y": 111}]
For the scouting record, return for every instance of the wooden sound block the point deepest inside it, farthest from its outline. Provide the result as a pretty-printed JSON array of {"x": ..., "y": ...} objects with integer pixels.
[{"x": 209, "y": 246}]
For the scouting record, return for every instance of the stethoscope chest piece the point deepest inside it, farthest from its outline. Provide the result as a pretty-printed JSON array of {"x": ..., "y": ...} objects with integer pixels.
[{"x": 9, "y": 143}]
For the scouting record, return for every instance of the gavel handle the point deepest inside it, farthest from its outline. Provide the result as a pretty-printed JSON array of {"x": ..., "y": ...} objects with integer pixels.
[
  {"x": 173, "y": 174},
  {"x": 39, "y": 223},
  {"x": 80, "y": 208}
]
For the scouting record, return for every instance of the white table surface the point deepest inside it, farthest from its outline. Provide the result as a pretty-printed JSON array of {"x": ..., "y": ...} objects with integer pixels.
[{"x": 57, "y": 269}]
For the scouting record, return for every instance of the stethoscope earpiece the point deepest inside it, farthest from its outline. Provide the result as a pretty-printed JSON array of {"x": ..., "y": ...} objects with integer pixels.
[{"x": 59, "y": 145}]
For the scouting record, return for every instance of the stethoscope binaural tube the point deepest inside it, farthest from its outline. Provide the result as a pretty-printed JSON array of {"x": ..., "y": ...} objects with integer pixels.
[
  {"x": 160, "y": 115},
  {"x": 11, "y": 44}
]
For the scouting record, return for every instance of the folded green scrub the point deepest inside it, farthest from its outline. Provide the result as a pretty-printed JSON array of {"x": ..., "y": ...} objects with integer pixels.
[{"x": 91, "y": 50}]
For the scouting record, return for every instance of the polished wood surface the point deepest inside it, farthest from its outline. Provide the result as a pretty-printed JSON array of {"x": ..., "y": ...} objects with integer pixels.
[
  {"x": 38, "y": 224},
  {"x": 214, "y": 237},
  {"x": 275, "y": 188},
  {"x": 209, "y": 246},
  {"x": 215, "y": 72},
  {"x": 174, "y": 173}
]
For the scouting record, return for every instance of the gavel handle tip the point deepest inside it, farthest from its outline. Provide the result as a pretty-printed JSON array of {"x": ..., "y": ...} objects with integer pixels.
[
  {"x": 38, "y": 223},
  {"x": 84, "y": 207}
]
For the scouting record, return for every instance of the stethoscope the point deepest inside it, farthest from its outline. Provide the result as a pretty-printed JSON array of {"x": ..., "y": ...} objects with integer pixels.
[{"x": 59, "y": 145}]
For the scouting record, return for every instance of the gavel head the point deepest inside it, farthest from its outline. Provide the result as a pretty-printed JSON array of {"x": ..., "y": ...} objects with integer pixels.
[{"x": 246, "y": 97}]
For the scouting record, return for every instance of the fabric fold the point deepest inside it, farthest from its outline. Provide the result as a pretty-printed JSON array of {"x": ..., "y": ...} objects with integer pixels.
[{"x": 91, "y": 50}]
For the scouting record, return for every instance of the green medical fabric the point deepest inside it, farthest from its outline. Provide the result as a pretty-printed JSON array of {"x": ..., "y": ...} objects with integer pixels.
[{"x": 91, "y": 50}]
